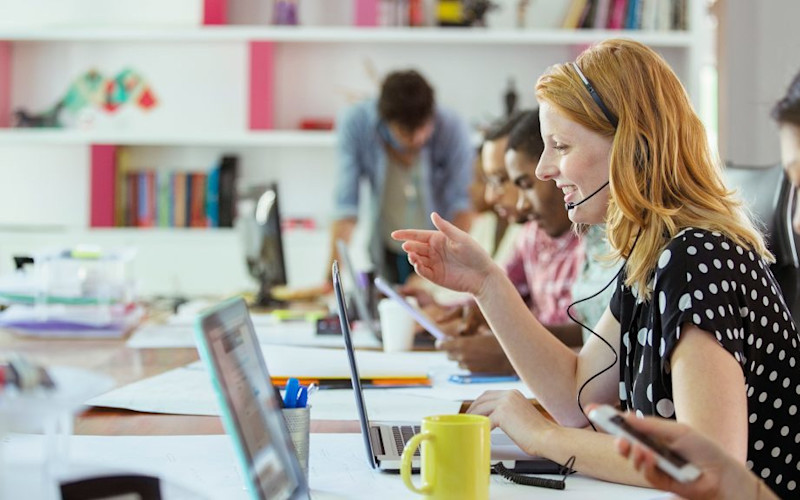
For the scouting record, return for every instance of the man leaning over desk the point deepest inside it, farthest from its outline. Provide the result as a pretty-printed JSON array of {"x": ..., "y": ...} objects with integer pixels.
[{"x": 417, "y": 158}]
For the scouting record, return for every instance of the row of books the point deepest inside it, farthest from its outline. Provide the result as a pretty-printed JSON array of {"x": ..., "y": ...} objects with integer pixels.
[
  {"x": 160, "y": 198},
  {"x": 657, "y": 15}
]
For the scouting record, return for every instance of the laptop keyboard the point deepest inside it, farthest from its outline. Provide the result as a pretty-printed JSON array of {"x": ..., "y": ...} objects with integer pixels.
[{"x": 403, "y": 433}]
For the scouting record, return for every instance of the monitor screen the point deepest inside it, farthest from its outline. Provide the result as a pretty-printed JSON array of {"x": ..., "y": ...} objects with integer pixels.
[{"x": 260, "y": 219}]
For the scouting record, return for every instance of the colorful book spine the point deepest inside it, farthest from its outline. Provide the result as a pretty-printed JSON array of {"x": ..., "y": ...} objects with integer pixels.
[
  {"x": 179, "y": 199},
  {"x": 197, "y": 200},
  {"x": 601, "y": 13},
  {"x": 164, "y": 198},
  {"x": 212, "y": 198},
  {"x": 632, "y": 21},
  {"x": 227, "y": 190},
  {"x": 617, "y": 17}
]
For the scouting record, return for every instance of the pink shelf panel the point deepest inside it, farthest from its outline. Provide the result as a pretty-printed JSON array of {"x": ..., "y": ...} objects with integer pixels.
[
  {"x": 102, "y": 181},
  {"x": 215, "y": 12},
  {"x": 262, "y": 85},
  {"x": 5, "y": 83},
  {"x": 366, "y": 13}
]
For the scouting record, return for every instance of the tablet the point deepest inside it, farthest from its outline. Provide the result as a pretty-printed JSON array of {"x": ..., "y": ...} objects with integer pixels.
[{"x": 418, "y": 315}]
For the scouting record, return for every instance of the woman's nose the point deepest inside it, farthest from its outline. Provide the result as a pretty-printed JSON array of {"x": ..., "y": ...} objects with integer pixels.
[{"x": 546, "y": 169}]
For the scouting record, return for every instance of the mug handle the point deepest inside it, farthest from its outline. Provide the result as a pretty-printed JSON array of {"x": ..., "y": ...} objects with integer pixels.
[{"x": 405, "y": 464}]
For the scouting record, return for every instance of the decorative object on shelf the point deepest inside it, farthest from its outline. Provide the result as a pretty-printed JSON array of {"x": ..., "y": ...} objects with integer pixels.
[
  {"x": 463, "y": 12},
  {"x": 522, "y": 9},
  {"x": 285, "y": 13},
  {"x": 92, "y": 91},
  {"x": 316, "y": 124},
  {"x": 46, "y": 119},
  {"x": 510, "y": 97},
  {"x": 393, "y": 13}
]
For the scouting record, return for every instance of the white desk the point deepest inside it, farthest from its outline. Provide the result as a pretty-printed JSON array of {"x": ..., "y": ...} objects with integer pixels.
[{"x": 206, "y": 465}]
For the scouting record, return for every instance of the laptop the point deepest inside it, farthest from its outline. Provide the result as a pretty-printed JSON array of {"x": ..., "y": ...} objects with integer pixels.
[
  {"x": 372, "y": 323},
  {"x": 249, "y": 404},
  {"x": 384, "y": 441},
  {"x": 360, "y": 294}
]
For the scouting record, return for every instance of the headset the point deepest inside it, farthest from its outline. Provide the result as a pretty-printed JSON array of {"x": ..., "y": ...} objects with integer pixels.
[{"x": 614, "y": 121}]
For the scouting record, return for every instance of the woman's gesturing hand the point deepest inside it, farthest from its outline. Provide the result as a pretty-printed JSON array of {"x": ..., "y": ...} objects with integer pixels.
[{"x": 448, "y": 257}]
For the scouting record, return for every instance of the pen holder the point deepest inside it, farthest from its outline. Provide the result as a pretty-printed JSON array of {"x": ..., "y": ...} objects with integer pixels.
[{"x": 298, "y": 421}]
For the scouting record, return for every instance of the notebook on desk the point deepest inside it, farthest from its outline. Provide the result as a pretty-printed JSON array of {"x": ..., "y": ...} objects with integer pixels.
[
  {"x": 384, "y": 442},
  {"x": 248, "y": 403}
]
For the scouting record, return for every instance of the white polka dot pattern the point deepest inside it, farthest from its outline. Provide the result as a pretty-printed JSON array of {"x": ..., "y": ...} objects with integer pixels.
[{"x": 704, "y": 279}]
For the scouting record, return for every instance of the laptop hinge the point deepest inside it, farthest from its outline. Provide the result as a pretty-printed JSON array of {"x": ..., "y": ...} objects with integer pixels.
[{"x": 377, "y": 442}]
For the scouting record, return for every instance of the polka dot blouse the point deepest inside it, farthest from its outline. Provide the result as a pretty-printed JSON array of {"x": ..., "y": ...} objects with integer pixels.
[{"x": 705, "y": 279}]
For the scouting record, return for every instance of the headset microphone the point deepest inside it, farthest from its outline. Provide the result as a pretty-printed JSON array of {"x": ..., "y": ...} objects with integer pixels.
[{"x": 571, "y": 205}]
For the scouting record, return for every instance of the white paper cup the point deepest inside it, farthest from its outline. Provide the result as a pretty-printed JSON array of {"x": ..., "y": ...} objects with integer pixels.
[{"x": 397, "y": 325}]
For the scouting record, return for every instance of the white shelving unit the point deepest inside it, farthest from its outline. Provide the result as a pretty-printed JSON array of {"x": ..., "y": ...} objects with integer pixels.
[
  {"x": 267, "y": 139},
  {"x": 201, "y": 77},
  {"x": 472, "y": 36}
]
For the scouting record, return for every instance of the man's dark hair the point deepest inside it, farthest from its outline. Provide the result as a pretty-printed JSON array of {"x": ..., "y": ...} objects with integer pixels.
[
  {"x": 406, "y": 99},
  {"x": 787, "y": 110},
  {"x": 503, "y": 127},
  {"x": 526, "y": 136}
]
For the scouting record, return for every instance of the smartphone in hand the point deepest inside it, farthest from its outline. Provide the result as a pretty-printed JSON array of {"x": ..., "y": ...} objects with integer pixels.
[{"x": 667, "y": 460}]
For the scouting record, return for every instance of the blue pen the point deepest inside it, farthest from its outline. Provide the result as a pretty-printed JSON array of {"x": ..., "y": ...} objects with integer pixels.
[
  {"x": 482, "y": 378},
  {"x": 302, "y": 397},
  {"x": 290, "y": 393}
]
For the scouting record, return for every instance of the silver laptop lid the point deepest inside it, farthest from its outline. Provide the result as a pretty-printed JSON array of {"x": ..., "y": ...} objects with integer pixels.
[{"x": 354, "y": 377}]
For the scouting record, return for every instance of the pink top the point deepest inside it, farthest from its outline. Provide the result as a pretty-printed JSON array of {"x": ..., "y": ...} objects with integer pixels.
[{"x": 543, "y": 269}]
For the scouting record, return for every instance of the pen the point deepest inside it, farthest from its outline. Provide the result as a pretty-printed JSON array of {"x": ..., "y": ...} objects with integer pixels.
[{"x": 290, "y": 393}]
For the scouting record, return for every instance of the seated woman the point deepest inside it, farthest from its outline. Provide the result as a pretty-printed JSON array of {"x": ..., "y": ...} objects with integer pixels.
[{"x": 696, "y": 330}]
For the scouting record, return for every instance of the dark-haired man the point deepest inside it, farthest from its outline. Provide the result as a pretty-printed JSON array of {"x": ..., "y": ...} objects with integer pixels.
[{"x": 417, "y": 158}]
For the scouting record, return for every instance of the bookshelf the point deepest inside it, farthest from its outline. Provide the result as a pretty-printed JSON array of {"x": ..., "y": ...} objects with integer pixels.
[
  {"x": 255, "y": 84},
  {"x": 473, "y": 36}
]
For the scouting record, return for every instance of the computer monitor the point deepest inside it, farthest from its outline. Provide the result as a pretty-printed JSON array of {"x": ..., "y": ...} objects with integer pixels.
[{"x": 260, "y": 220}]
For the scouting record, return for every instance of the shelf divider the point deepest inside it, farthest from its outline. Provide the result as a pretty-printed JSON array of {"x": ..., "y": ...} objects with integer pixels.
[
  {"x": 5, "y": 83},
  {"x": 215, "y": 12},
  {"x": 262, "y": 85},
  {"x": 366, "y": 12},
  {"x": 102, "y": 183}
]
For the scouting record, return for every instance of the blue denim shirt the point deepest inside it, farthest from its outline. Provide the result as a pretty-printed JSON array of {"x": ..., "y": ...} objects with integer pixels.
[{"x": 446, "y": 166}]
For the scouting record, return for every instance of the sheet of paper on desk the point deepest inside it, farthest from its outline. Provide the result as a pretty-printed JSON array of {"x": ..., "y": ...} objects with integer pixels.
[
  {"x": 443, "y": 389},
  {"x": 302, "y": 333},
  {"x": 291, "y": 361},
  {"x": 205, "y": 464},
  {"x": 187, "y": 391}
]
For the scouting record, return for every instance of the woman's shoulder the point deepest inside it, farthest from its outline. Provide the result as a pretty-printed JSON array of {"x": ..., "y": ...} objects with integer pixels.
[
  {"x": 703, "y": 253},
  {"x": 696, "y": 244}
]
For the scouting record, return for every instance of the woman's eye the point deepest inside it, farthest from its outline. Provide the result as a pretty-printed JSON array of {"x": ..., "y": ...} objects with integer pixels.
[{"x": 560, "y": 147}]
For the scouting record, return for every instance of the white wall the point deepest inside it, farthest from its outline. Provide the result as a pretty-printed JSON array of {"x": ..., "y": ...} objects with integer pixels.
[{"x": 759, "y": 52}]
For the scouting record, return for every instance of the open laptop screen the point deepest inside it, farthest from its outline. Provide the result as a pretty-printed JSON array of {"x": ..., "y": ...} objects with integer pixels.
[
  {"x": 348, "y": 341},
  {"x": 248, "y": 402}
]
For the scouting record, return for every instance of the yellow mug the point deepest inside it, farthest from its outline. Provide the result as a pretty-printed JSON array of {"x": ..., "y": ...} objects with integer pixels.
[{"x": 455, "y": 457}]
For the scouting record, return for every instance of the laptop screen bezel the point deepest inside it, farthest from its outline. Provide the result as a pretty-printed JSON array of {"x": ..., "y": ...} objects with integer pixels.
[
  {"x": 210, "y": 324},
  {"x": 354, "y": 376}
]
